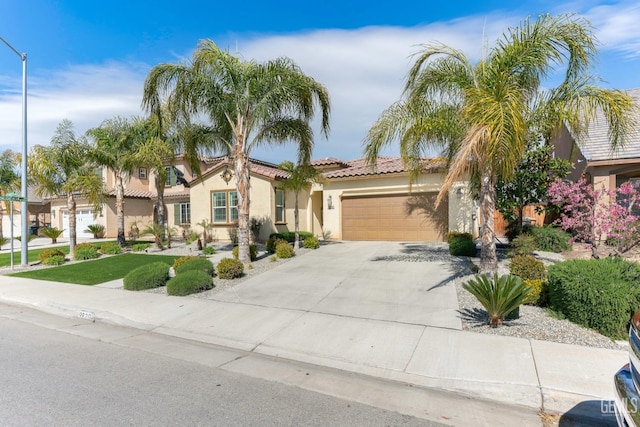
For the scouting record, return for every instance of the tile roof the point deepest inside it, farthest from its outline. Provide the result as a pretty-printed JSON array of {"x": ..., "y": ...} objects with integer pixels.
[
  {"x": 384, "y": 166},
  {"x": 134, "y": 194},
  {"x": 328, "y": 161},
  {"x": 258, "y": 167},
  {"x": 595, "y": 144}
]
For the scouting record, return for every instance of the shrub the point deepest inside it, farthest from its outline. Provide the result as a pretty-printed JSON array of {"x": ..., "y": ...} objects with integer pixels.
[
  {"x": 139, "y": 247},
  {"x": 533, "y": 274},
  {"x": 527, "y": 267},
  {"x": 461, "y": 246},
  {"x": 3, "y": 241},
  {"x": 189, "y": 282},
  {"x": 458, "y": 234},
  {"x": 290, "y": 236},
  {"x": 53, "y": 260},
  {"x": 253, "y": 252},
  {"x": 601, "y": 294},
  {"x": 271, "y": 244},
  {"x": 499, "y": 296},
  {"x": 178, "y": 262},
  {"x": 311, "y": 243},
  {"x": 230, "y": 268},
  {"x": 85, "y": 251},
  {"x": 551, "y": 239},
  {"x": 209, "y": 250},
  {"x": 192, "y": 237},
  {"x": 201, "y": 264},
  {"x": 284, "y": 250},
  {"x": 524, "y": 244},
  {"x": 48, "y": 253},
  {"x": 147, "y": 276},
  {"x": 110, "y": 248}
]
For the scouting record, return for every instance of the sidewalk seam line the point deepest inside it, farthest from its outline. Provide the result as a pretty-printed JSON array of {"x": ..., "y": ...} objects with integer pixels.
[{"x": 535, "y": 366}]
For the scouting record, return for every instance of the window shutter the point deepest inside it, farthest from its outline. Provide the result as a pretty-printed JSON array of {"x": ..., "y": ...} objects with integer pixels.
[
  {"x": 173, "y": 179},
  {"x": 176, "y": 213}
]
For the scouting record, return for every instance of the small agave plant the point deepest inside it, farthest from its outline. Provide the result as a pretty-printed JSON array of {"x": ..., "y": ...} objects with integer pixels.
[{"x": 499, "y": 295}]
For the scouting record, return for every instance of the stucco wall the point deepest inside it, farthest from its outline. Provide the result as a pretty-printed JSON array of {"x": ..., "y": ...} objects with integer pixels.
[{"x": 262, "y": 207}]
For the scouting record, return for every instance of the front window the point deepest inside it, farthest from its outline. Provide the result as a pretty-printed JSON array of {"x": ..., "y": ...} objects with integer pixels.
[
  {"x": 142, "y": 173},
  {"x": 279, "y": 205},
  {"x": 224, "y": 206},
  {"x": 185, "y": 213}
]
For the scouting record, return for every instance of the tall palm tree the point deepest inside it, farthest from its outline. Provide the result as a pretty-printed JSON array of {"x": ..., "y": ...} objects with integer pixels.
[
  {"x": 480, "y": 115},
  {"x": 9, "y": 179},
  {"x": 160, "y": 137},
  {"x": 301, "y": 177},
  {"x": 65, "y": 168},
  {"x": 114, "y": 148},
  {"x": 247, "y": 104}
]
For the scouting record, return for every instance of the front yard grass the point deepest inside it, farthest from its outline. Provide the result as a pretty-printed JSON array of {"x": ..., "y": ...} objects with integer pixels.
[
  {"x": 95, "y": 271},
  {"x": 32, "y": 255}
]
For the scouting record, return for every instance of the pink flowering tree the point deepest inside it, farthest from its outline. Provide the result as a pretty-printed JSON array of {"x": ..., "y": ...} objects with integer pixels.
[{"x": 598, "y": 216}]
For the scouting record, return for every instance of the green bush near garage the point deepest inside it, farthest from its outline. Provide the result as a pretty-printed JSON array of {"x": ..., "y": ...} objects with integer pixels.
[
  {"x": 601, "y": 294},
  {"x": 148, "y": 276},
  {"x": 189, "y": 282},
  {"x": 290, "y": 236},
  {"x": 461, "y": 244}
]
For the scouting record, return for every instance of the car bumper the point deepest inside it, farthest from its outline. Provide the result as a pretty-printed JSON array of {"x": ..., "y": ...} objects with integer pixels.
[{"x": 627, "y": 399}]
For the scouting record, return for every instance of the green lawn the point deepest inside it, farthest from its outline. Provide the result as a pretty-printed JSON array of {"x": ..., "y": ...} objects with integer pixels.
[
  {"x": 96, "y": 271},
  {"x": 5, "y": 258}
]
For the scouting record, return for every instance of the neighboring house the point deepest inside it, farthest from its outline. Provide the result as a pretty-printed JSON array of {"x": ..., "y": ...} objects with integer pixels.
[
  {"x": 39, "y": 214},
  {"x": 140, "y": 202},
  {"x": 592, "y": 155}
]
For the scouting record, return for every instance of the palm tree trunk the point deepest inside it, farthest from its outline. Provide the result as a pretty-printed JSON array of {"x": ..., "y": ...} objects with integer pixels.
[
  {"x": 488, "y": 258},
  {"x": 120, "y": 209},
  {"x": 243, "y": 186},
  {"x": 71, "y": 206},
  {"x": 1, "y": 231},
  {"x": 296, "y": 216}
]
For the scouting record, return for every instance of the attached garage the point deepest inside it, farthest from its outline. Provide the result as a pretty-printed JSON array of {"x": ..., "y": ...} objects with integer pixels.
[
  {"x": 84, "y": 218},
  {"x": 395, "y": 217}
]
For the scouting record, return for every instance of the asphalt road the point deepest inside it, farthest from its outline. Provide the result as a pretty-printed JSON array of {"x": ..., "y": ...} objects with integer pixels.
[{"x": 53, "y": 378}]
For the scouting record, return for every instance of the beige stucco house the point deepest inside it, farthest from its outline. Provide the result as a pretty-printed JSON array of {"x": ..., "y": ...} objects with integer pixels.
[
  {"x": 353, "y": 201},
  {"x": 593, "y": 157}
]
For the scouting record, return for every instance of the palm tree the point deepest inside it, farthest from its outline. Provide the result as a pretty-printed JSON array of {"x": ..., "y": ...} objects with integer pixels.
[
  {"x": 9, "y": 179},
  {"x": 160, "y": 136},
  {"x": 301, "y": 177},
  {"x": 480, "y": 115},
  {"x": 115, "y": 148},
  {"x": 64, "y": 168},
  {"x": 247, "y": 104}
]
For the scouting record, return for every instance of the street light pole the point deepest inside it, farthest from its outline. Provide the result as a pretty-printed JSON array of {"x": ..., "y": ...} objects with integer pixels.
[{"x": 24, "y": 243}]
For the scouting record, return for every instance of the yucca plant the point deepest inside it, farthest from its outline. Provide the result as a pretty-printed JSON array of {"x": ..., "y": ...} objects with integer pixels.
[
  {"x": 3, "y": 241},
  {"x": 499, "y": 296},
  {"x": 51, "y": 232},
  {"x": 96, "y": 229}
]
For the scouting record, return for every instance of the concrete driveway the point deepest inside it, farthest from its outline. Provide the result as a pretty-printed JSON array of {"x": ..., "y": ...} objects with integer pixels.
[{"x": 407, "y": 283}]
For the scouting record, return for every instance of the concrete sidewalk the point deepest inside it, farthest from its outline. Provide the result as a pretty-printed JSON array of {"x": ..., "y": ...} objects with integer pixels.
[{"x": 374, "y": 309}]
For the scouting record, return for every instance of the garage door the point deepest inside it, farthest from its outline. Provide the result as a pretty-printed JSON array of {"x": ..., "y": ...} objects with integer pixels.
[
  {"x": 395, "y": 218},
  {"x": 84, "y": 218}
]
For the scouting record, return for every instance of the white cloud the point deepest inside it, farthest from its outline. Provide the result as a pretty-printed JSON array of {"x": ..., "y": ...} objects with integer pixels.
[{"x": 363, "y": 70}]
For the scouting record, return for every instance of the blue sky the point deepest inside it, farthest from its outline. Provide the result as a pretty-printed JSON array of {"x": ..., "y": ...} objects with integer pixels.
[{"x": 87, "y": 60}]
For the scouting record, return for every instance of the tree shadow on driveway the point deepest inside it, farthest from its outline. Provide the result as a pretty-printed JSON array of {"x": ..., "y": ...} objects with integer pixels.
[{"x": 431, "y": 253}]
